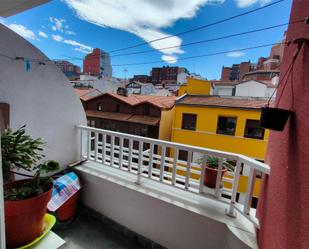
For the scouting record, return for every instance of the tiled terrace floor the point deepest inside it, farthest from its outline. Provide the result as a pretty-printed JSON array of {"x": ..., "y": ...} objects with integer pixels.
[{"x": 92, "y": 231}]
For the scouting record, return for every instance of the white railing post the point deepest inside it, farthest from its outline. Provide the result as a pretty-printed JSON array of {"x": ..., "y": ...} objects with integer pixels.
[
  {"x": 96, "y": 138},
  {"x": 150, "y": 164},
  {"x": 103, "y": 148},
  {"x": 89, "y": 146},
  {"x": 202, "y": 177},
  {"x": 81, "y": 144},
  {"x": 140, "y": 162},
  {"x": 249, "y": 191},
  {"x": 190, "y": 153},
  {"x": 231, "y": 211},
  {"x": 120, "y": 152},
  {"x": 219, "y": 174},
  {"x": 112, "y": 144},
  {"x": 176, "y": 154},
  {"x": 162, "y": 165},
  {"x": 130, "y": 155}
]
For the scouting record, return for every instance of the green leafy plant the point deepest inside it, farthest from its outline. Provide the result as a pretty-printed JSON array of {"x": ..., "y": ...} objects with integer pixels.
[
  {"x": 20, "y": 151},
  {"x": 213, "y": 162}
]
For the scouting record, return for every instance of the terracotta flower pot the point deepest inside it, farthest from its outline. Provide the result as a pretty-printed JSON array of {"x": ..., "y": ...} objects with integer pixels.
[
  {"x": 211, "y": 176},
  {"x": 24, "y": 219}
]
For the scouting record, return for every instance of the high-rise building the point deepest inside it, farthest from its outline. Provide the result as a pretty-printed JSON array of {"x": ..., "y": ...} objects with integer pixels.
[
  {"x": 98, "y": 63},
  {"x": 70, "y": 70}
]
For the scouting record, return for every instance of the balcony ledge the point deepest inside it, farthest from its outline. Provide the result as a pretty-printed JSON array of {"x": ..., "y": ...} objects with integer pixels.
[{"x": 208, "y": 206}]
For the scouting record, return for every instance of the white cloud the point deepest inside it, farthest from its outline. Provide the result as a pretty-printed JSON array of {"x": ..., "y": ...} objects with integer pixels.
[
  {"x": 70, "y": 32},
  {"x": 78, "y": 46},
  {"x": 22, "y": 31},
  {"x": 57, "y": 38},
  {"x": 58, "y": 24},
  {"x": 144, "y": 18},
  {"x": 235, "y": 54},
  {"x": 247, "y": 3},
  {"x": 41, "y": 33},
  {"x": 169, "y": 58}
]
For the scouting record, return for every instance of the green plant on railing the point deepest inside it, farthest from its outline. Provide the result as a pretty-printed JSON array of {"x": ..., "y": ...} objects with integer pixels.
[
  {"x": 213, "y": 162},
  {"x": 20, "y": 151}
]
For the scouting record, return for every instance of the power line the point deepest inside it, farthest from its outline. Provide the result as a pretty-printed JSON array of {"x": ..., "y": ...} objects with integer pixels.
[
  {"x": 199, "y": 56},
  {"x": 209, "y": 40},
  {"x": 194, "y": 43},
  {"x": 152, "y": 62},
  {"x": 199, "y": 28}
]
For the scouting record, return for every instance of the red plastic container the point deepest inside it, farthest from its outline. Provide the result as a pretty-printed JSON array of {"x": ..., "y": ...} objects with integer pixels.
[
  {"x": 24, "y": 219},
  {"x": 68, "y": 210}
]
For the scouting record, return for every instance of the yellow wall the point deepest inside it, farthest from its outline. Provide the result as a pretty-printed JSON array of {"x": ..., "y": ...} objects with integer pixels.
[
  {"x": 195, "y": 86},
  {"x": 166, "y": 124},
  {"x": 205, "y": 135},
  {"x": 206, "y": 126}
]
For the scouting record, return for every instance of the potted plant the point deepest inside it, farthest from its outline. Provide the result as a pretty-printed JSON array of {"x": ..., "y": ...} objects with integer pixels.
[
  {"x": 25, "y": 200},
  {"x": 274, "y": 118},
  {"x": 211, "y": 171}
]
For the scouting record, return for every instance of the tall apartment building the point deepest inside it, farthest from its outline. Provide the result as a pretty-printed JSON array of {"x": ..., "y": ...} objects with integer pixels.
[
  {"x": 166, "y": 74},
  {"x": 98, "y": 63},
  {"x": 70, "y": 70},
  {"x": 236, "y": 71},
  {"x": 265, "y": 69}
]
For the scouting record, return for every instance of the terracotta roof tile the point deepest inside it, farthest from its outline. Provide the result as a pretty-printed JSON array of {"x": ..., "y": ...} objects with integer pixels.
[
  {"x": 85, "y": 94},
  {"x": 162, "y": 102},
  {"x": 220, "y": 101},
  {"x": 124, "y": 117}
]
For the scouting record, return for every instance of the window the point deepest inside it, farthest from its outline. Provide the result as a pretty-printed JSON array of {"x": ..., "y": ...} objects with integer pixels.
[
  {"x": 117, "y": 108},
  {"x": 99, "y": 107},
  {"x": 253, "y": 129},
  {"x": 226, "y": 126},
  {"x": 189, "y": 121}
]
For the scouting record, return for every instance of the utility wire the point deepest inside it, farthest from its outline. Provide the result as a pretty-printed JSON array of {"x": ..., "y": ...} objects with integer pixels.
[
  {"x": 199, "y": 28},
  {"x": 199, "y": 56},
  {"x": 193, "y": 43},
  {"x": 153, "y": 62}
]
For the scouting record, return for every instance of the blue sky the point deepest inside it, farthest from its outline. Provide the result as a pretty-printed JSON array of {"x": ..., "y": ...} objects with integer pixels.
[{"x": 69, "y": 28}]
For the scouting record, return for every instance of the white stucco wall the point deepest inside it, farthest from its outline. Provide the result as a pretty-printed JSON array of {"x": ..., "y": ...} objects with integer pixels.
[
  {"x": 224, "y": 91},
  {"x": 42, "y": 98},
  {"x": 251, "y": 88}
]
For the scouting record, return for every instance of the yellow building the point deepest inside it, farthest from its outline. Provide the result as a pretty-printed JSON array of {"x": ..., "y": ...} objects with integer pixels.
[
  {"x": 222, "y": 123},
  {"x": 195, "y": 86}
]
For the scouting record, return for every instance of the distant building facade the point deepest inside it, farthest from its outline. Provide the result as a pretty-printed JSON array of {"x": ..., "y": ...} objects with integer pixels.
[
  {"x": 148, "y": 116},
  {"x": 141, "y": 78},
  {"x": 140, "y": 88},
  {"x": 265, "y": 69},
  {"x": 166, "y": 73},
  {"x": 98, "y": 63},
  {"x": 70, "y": 70}
]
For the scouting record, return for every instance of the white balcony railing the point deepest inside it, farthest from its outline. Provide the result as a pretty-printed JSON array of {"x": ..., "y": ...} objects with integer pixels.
[{"x": 159, "y": 161}]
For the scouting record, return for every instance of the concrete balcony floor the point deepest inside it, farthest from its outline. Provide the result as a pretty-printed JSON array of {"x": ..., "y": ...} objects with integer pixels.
[{"x": 91, "y": 230}]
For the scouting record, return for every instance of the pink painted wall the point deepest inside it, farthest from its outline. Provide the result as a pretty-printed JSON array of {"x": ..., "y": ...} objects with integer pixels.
[{"x": 284, "y": 207}]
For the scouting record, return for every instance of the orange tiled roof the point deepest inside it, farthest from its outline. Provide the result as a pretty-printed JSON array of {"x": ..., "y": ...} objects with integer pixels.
[
  {"x": 124, "y": 117},
  {"x": 162, "y": 102},
  {"x": 86, "y": 94},
  {"x": 220, "y": 101}
]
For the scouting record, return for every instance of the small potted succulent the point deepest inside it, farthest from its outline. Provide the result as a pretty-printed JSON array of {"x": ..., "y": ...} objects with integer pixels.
[
  {"x": 211, "y": 171},
  {"x": 25, "y": 200}
]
